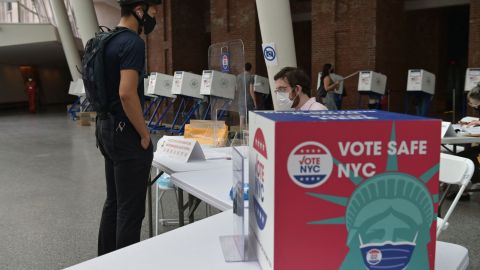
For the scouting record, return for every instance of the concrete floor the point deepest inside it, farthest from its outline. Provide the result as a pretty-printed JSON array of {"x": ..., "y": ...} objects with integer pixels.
[{"x": 52, "y": 191}]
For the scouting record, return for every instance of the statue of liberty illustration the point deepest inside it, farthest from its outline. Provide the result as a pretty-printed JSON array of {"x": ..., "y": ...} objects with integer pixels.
[{"x": 388, "y": 219}]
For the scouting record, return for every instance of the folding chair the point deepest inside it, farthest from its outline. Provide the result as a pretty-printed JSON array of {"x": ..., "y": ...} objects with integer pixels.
[
  {"x": 451, "y": 257},
  {"x": 454, "y": 170}
]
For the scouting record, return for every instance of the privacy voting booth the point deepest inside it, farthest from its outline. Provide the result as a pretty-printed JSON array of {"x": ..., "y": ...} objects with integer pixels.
[
  {"x": 81, "y": 103},
  {"x": 359, "y": 200},
  {"x": 371, "y": 82},
  {"x": 187, "y": 86},
  {"x": 218, "y": 87},
  {"x": 160, "y": 88},
  {"x": 261, "y": 85},
  {"x": 472, "y": 78},
  {"x": 420, "y": 88}
]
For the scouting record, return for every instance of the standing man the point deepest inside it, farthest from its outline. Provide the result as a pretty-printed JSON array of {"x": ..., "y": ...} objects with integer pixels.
[
  {"x": 244, "y": 100},
  {"x": 122, "y": 136}
]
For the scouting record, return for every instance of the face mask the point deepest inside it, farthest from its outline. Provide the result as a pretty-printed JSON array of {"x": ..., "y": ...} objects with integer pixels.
[
  {"x": 146, "y": 24},
  {"x": 387, "y": 255},
  {"x": 149, "y": 23},
  {"x": 284, "y": 102}
]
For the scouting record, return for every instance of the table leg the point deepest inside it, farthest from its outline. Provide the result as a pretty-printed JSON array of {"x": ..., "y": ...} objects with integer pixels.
[
  {"x": 150, "y": 221},
  {"x": 193, "y": 203},
  {"x": 181, "y": 220},
  {"x": 149, "y": 203}
]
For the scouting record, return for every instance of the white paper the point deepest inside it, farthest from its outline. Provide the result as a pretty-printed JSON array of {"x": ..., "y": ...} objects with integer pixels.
[{"x": 181, "y": 149}]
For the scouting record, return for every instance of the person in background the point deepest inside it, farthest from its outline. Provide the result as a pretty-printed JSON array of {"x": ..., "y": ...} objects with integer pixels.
[
  {"x": 292, "y": 88},
  {"x": 472, "y": 153},
  {"x": 328, "y": 86},
  {"x": 31, "y": 90},
  {"x": 244, "y": 100}
]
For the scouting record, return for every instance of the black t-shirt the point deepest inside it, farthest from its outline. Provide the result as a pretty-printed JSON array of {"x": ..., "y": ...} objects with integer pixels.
[{"x": 124, "y": 51}]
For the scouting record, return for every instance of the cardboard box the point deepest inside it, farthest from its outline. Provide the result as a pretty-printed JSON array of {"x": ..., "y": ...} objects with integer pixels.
[
  {"x": 84, "y": 118},
  {"x": 343, "y": 190}
]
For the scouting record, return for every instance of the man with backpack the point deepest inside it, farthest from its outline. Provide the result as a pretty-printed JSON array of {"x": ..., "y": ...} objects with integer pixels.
[{"x": 113, "y": 66}]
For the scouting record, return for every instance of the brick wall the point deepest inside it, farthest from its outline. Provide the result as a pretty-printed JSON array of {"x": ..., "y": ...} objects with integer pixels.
[
  {"x": 344, "y": 34},
  {"x": 231, "y": 20},
  {"x": 474, "y": 39},
  {"x": 159, "y": 42},
  {"x": 390, "y": 49}
]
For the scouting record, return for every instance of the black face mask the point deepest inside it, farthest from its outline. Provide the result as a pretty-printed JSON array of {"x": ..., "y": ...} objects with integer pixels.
[
  {"x": 149, "y": 23},
  {"x": 477, "y": 110}
]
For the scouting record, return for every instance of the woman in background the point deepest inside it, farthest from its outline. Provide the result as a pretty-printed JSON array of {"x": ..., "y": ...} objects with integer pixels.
[{"x": 328, "y": 86}]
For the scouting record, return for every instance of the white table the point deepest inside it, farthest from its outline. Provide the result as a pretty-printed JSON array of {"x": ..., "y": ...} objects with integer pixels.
[
  {"x": 210, "y": 186},
  {"x": 195, "y": 246},
  {"x": 460, "y": 140},
  {"x": 169, "y": 166}
]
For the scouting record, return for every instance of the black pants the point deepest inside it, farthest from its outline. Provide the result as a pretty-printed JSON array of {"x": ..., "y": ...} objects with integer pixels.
[{"x": 127, "y": 170}]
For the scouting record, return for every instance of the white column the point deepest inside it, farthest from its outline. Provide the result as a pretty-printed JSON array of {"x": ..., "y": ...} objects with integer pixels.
[
  {"x": 66, "y": 37},
  {"x": 86, "y": 19},
  {"x": 276, "y": 27}
]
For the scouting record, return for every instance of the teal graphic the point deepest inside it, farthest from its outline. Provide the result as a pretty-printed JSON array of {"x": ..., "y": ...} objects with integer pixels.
[{"x": 388, "y": 219}]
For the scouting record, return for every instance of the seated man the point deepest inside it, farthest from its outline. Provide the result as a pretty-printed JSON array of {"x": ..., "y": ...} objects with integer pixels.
[
  {"x": 472, "y": 153},
  {"x": 292, "y": 89}
]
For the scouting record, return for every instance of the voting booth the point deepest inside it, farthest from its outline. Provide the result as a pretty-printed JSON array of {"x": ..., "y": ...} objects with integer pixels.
[
  {"x": 366, "y": 199},
  {"x": 187, "y": 84},
  {"x": 261, "y": 85},
  {"x": 372, "y": 82},
  {"x": 81, "y": 104},
  {"x": 160, "y": 85},
  {"x": 472, "y": 78},
  {"x": 218, "y": 84},
  {"x": 421, "y": 80}
]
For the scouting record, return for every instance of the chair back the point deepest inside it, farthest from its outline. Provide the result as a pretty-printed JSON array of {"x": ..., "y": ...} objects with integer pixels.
[{"x": 454, "y": 170}]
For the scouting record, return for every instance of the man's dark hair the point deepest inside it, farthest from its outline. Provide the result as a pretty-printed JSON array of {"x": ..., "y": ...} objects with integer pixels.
[
  {"x": 295, "y": 76},
  {"x": 248, "y": 66},
  {"x": 126, "y": 10},
  {"x": 475, "y": 93}
]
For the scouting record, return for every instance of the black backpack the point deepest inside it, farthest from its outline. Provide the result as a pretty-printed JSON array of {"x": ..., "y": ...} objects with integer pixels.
[{"x": 93, "y": 73}]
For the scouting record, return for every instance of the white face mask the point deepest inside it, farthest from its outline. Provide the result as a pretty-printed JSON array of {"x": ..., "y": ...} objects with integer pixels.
[{"x": 284, "y": 102}]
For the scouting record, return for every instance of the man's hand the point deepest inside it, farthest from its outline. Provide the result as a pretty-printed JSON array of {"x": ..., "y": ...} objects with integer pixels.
[
  {"x": 145, "y": 142},
  {"x": 473, "y": 124}
]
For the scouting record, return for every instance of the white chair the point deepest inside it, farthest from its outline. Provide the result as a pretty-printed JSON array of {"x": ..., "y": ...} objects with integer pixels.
[
  {"x": 160, "y": 189},
  {"x": 454, "y": 170},
  {"x": 451, "y": 257}
]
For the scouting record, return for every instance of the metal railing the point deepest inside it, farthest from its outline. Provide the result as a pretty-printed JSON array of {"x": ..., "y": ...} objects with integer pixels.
[{"x": 33, "y": 12}]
